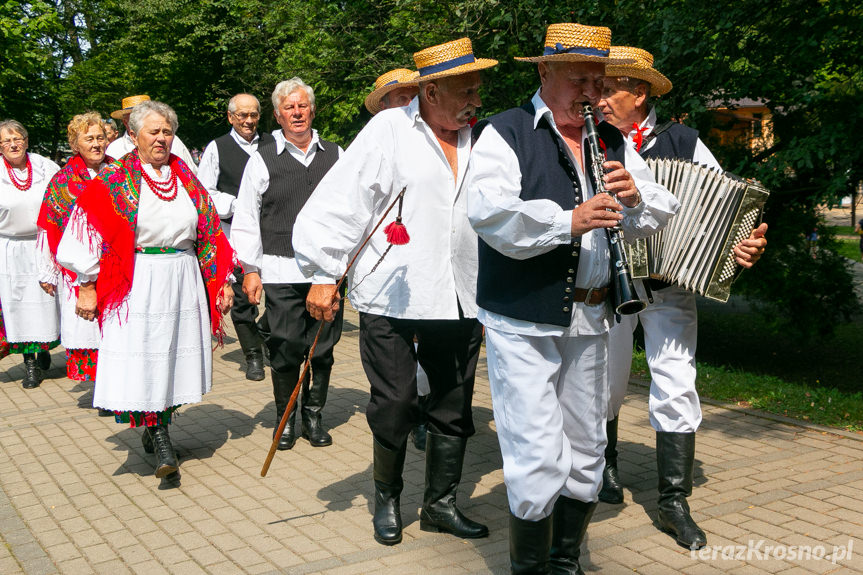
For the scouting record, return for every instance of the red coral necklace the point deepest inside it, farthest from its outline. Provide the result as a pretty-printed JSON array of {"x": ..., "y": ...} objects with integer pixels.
[
  {"x": 165, "y": 191},
  {"x": 22, "y": 185}
]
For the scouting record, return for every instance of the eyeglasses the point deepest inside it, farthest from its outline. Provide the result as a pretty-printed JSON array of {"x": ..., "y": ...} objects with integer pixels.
[
  {"x": 243, "y": 116},
  {"x": 9, "y": 142}
]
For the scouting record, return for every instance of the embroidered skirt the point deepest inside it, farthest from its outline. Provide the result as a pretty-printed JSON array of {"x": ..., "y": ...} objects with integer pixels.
[
  {"x": 155, "y": 351},
  {"x": 29, "y": 314}
]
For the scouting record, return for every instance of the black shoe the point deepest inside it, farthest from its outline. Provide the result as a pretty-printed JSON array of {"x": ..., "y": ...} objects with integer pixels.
[
  {"x": 32, "y": 372},
  {"x": 313, "y": 429},
  {"x": 675, "y": 456},
  {"x": 283, "y": 387},
  {"x": 44, "y": 359},
  {"x": 529, "y": 546},
  {"x": 612, "y": 490},
  {"x": 108, "y": 413},
  {"x": 570, "y": 519},
  {"x": 289, "y": 435},
  {"x": 170, "y": 481},
  {"x": 418, "y": 435},
  {"x": 167, "y": 459},
  {"x": 255, "y": 366},
  {"x": 388, "y": 465},
  {"x": 147, "y": 441},
  {"x": 444, "y": 460}
]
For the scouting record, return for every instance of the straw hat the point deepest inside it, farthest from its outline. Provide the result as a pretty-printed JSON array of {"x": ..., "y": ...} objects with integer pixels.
[
  {"x": 128, "y": 104},
  {"x": 642, "y": 69},
  {"x": 449, "y": 59},
  {"x": 386, "y": 83},
  {"x": 577, "y": 43}
]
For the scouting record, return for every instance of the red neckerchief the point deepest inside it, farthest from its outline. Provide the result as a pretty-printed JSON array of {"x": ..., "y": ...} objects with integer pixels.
[{"x": 638, "y": 140}]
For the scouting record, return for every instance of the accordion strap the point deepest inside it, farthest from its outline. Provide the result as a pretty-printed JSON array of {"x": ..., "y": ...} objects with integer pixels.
[{"x": 659, "y": 129}]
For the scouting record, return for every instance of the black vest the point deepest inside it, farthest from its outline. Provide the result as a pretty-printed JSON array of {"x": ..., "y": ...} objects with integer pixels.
[
  {"x": 538, "y": 289},
  {"x": 291, "y": 185},
  {"x": 674, "y": 141},
  {"x": 232, "y": 162}
]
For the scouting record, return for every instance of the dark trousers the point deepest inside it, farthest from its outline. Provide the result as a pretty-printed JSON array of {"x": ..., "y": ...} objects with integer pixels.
[
  {"x": 242, "y": 312},
  {"x": 447, "y": 350},
  {"x": 292, "y": 331}
]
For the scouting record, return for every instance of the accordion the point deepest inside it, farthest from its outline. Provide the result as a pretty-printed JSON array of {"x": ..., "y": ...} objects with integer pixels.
[{"x": 695, "y": 250}]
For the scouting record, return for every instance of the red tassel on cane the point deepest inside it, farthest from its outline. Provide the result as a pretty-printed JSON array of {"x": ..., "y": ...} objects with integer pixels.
[{"x": 397, "y": 233}]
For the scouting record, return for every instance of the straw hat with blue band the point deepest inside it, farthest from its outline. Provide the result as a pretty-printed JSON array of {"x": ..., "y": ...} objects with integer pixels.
[
  {"x": 450, "y": 59},
  {"x": 642, "y": 68},
  {"x": 128, "y": 104},
  {"x": 386, "y": 83},
  {"x": 570, "y": 42}
]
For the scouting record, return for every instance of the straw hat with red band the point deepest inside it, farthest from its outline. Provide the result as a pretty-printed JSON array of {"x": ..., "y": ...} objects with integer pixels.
[
  {"x": 128, "y": 104},
  {"x": 386, "y": 83},
  {"x": 642, "y": 68},
  {"x": 570, "y": 42},
  {"x": 450, "y": 59}
]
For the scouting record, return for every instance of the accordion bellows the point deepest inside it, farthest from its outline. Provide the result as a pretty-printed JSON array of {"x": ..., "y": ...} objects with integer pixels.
[{"x": 695, "y": 250}]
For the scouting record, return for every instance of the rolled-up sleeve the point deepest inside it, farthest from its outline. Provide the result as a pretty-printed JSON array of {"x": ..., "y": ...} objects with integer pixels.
[{"x": 517, "y": 228}]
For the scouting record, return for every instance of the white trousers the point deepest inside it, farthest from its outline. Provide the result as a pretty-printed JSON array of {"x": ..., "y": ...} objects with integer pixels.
[
  {"x": 549, "y": 396},
  {"x": 670, "y": 335}
]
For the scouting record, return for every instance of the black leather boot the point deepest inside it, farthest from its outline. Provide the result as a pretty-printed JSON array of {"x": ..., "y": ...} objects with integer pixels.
[
  {"x": 570, "y": 520},
  {"x": 612, "y": 490},
  {"x": 444, "y": 459},
  {"x": 675, "y": 457},
  {"x": 253, "y": 350},
  {"x": 283, "y": 386},
  {"x": 147, "y": 441},
  {"x": 529, "y": 545},
  {"x": 387, "y": 469},
  {"x": 44, "y": 359},
  {"x": 418, "y": 433},
  {"x": 32, "y": 372},
  {"x": 167, "y": 459},
  {"x": 314, "y": 398}
]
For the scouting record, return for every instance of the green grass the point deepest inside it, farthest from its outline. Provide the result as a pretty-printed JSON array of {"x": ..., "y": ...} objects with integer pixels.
[
  {"x": 740, "y": 361},
  {"x": 849, "y": 248}
]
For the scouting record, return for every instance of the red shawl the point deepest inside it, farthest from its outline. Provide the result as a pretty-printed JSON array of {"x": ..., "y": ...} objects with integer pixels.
[
  {"x": 111, "y": 204},
  {"x": 59, "y": 199}
]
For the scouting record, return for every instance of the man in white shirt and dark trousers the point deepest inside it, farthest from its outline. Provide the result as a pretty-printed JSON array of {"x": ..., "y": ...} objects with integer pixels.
[
  {"x": 670, "y": 323},
  {"x": 221, "y": 171},
  {"x": 277, "y": 181},
  {"x": 544, "y": 275},
  {"x": 423, "y": 289}
]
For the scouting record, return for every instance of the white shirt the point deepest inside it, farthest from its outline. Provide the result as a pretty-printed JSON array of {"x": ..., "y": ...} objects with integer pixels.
[
  {"x": 123, "y": 145},
  {"x": 19, "y": 209},
  {"x": 208, "y": 172},
  {"x": 522, "y": 229},
  {"x": 426, "y": 278},
  {"x": 701, "y": 156},
  {"x": 171, "y": 224},
  {"x": 246, "y": 226}
]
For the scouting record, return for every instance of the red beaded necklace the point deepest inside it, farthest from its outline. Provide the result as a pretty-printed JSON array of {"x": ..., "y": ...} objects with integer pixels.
[
  {"x": 22, "y": 185},
  {"x": 165, "y": 191}
]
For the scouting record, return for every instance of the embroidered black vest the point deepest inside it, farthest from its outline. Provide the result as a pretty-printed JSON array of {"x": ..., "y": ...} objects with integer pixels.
[{"x": 672, "y": 141}]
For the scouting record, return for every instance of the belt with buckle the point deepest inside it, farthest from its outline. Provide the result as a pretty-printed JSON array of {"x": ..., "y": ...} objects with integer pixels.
[{"x": 590, "y": 296}]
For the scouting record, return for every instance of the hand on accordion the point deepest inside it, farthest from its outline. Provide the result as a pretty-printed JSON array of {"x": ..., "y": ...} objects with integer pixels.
[
  {"x": 619, "y": 182},
  {"x": 600, "y": 211},
  {"x": 750, "y": 250}
]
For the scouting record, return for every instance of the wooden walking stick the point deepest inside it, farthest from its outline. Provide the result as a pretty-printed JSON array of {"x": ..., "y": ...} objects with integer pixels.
[{"x": 396, "y": 235}]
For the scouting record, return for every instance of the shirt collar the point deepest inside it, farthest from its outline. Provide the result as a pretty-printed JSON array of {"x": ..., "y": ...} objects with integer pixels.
[
  {"x": 242, "y": 141},
  {"x": 541, "y": 109},
  {"x": 282, "y": 142}
]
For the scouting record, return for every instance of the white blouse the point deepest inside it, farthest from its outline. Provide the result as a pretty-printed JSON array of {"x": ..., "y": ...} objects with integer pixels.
[
  {"x": 20, "y": 209},
  {"x": 171, "y": 224}
]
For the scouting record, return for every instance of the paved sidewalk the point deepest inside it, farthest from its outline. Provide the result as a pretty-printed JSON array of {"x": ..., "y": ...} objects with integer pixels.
[{"x": 77, "y": 492}]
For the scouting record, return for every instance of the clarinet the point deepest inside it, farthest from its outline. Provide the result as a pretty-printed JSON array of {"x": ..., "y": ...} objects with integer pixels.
[{"x": 626, "y": 300}]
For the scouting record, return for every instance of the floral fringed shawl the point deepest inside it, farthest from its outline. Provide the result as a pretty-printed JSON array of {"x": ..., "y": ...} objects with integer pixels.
[{"x": 111, "y": 204}]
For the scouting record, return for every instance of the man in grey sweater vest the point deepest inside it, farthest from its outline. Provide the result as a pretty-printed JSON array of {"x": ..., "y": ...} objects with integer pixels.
[{"x": 278, "y": 179}]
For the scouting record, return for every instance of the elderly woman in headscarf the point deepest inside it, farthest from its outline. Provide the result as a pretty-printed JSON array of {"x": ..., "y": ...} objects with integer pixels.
[
  {"x": 154, "y": 268},
  {"x": 80, "y": 337},
  {"x": 31, "y": 316}
]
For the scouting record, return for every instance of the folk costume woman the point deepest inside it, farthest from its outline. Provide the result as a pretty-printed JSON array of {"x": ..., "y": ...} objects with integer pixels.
[
  {"x": 132, "y": 239},
  {"x": 80, "y": 337},
  {"x": 30, "y": 315}
]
